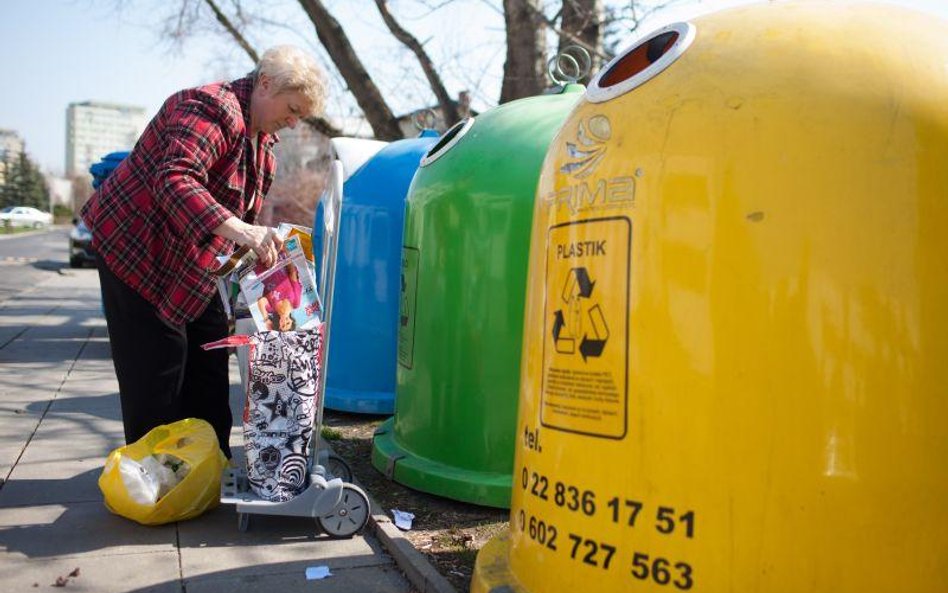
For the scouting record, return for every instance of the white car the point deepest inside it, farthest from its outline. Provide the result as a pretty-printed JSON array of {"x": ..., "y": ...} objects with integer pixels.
[{"x": 25, "y": 216}]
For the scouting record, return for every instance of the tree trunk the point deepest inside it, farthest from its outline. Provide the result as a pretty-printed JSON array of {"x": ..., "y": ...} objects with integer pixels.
[
  {"x": 525, "y": 68},
  {"x": 582, "y": 21},
  {"x": 449, "y": 110},
  {"x": 367, "y": 95}
]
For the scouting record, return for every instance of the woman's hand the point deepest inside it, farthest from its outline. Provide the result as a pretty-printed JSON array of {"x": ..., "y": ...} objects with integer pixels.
[
  {"x": 265, "y": 243},
  {"x": 263, "y": 240}
]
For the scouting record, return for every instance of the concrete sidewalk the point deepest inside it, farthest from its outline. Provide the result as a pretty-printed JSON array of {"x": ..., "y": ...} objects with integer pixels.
[{"x": 60, "y": 417}]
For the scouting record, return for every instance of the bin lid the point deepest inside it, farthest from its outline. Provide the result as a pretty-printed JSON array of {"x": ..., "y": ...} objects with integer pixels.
[{"x": 354, "y": 152}]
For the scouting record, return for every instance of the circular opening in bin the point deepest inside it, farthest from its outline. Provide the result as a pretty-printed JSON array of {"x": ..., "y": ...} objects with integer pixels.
[
  {"x": 642, "y": 62},
  {"x": 450, "y": 138}
]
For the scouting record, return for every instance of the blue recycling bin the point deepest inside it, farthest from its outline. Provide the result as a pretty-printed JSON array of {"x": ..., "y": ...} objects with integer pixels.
[
  {"x": 362, "y": 354},
  {"x": 101, "y": 170}
]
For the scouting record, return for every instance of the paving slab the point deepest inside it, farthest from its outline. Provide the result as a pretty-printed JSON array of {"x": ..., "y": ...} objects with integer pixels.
[
  {"x": 79, "y": 437},
  {"x": 76, "y": 530},
  {"x": 85, "y": 379},
  {"x": 212, "y": 542},
  {"x": 52, "y": 482},
  {"x": 20, "y": 408},
  {"x": 34, "y": 356},
  {"x": 15, "y": 432},
  {"x": 9, "y": 453},
  {"x": 292, "y": 577},
  {"x": 29, "y": 383},
  {"x": 146, "y": 572},
  {"x": 89, "y": 399}
]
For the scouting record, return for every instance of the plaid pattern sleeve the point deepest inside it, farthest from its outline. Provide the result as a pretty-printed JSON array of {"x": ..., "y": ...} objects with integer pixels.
[
  {"x": 194, "y": 139},
  {"x": 152, "y": 220}
]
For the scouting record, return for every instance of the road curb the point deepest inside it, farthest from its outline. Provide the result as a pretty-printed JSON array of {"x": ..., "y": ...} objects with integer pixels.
[
  {"x": 30, "y": 233},
  {"x": 423, "y": 576},
  {"x": 413, "y": 563}
]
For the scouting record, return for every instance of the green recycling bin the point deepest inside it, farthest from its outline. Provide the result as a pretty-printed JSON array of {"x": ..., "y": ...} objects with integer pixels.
[{"x": 464, "y": 264}]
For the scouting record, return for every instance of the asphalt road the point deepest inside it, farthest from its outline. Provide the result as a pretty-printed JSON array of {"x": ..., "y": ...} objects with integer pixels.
[{"x": 29, "y": 258}]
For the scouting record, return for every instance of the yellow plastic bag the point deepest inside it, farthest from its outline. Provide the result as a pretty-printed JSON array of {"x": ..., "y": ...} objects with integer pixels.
[{"x": 194, "y": 442}]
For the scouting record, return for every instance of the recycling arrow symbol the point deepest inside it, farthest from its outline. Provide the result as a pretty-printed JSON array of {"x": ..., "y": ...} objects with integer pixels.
[
  {"x": 558, "y": 323},
  {"x": 595, "y": 345},
  {"x": 582, "y": 321},
  {"x": 582, "y": 284}
]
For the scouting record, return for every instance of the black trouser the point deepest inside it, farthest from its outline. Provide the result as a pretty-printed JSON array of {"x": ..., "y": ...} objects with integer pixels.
[{"x": 163, "y": 374}]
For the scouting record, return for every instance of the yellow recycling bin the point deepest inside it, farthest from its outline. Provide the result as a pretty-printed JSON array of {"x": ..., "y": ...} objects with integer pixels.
[{"x": 735, "y": 367}]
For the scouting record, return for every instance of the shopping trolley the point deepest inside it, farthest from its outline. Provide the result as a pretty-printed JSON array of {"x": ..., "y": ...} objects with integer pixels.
[{"x": 339, "y": 507}]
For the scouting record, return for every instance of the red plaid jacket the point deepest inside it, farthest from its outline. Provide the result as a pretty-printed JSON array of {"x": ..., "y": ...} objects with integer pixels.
[{"x": 191, "y": 170}]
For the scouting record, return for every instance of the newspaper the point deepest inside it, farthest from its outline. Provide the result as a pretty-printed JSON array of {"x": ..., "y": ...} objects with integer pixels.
[{"x": 283, "y": 297}]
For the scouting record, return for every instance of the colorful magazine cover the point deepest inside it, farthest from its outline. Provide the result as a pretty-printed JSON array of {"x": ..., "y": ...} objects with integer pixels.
[
  {"x": 282, "y": 298},
  {"x": 232, "y": 267}
]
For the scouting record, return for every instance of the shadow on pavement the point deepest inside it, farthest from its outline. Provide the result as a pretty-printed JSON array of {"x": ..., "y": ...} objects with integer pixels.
[
  {"x": 354, "y": 575},
  {"x": 85, "y": 525},
  {"x": 74, "y": 408},
  {"x": 51, "y": 265}
]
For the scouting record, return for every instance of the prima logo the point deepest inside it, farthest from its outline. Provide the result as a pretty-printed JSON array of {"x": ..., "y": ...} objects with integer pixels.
[
  {"x": 589, "y": 149},
  {"x": 583, "y": 192}
]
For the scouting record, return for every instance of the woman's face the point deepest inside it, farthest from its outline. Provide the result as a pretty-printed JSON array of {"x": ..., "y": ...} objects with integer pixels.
[
  {"x": 271, "y": 111},
  {"x": 284, "y": 310}
]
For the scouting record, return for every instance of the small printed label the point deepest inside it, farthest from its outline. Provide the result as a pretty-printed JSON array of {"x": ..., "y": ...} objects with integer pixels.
[
  {"x": 406, "y": 306},
  {"x": 586, "y": 327}
]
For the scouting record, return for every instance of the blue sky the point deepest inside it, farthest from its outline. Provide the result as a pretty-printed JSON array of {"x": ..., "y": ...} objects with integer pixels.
[{"x": 61, "y": 51}]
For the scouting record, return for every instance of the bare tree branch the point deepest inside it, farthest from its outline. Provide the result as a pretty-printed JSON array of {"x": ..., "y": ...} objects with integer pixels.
[
  {"x": 241, "y": 41},
  {"x": 340, "y": 50},
  {"x": 433, "y": 6},
  {"x": 323, "y": 126},
  {"x": 449, "y": 109},
  {"x": 638, "y": 12},
  {"x": 320, "y": 124},
  {"x": 493, "y": 7}
]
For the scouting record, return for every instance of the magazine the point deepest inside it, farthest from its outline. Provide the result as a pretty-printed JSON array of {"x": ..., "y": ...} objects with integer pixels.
[
  {"x": 232, "y": 267},
  {"x": 284, "y": 297},
  {"x": 286, "y": 230}
]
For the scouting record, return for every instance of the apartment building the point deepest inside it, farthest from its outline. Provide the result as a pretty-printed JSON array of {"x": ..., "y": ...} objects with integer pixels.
[
  {"x": 94, "y": 129},
  {"x": 11, "y": 147}
]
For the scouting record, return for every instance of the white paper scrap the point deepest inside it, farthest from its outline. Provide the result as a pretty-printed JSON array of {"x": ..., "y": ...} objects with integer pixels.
[
  {"x": 315, "y": 573},
  {"x": 402, "y": 519}
]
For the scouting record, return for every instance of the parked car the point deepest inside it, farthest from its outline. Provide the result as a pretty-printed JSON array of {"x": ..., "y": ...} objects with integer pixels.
[
  {"x": 25, "y": 216},
  {"x": 80, "y": 245}
]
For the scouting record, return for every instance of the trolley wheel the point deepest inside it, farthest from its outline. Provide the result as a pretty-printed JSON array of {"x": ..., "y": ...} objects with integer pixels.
[
  {"x": 337, "y": 467},
  {"x": 349, "y": 516},
  {"x": 243, "y": 522}
]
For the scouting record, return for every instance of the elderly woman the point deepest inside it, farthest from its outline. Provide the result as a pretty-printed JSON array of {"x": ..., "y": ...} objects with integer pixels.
[{"x": 189, "y": 191}]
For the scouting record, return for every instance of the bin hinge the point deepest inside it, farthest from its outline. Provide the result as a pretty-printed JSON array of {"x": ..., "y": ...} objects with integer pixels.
[{"x": 390, "y": 466}]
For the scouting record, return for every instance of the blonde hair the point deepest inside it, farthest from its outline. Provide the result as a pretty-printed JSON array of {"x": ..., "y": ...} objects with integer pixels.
[{"x": 291, "y": 69}]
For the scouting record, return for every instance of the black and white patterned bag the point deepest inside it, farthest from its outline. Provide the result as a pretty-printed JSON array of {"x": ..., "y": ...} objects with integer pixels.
[{"x": 280, "y": 409}]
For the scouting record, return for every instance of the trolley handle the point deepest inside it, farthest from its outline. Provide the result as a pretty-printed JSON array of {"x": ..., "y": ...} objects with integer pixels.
[{"x": 332, "y": 212}]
